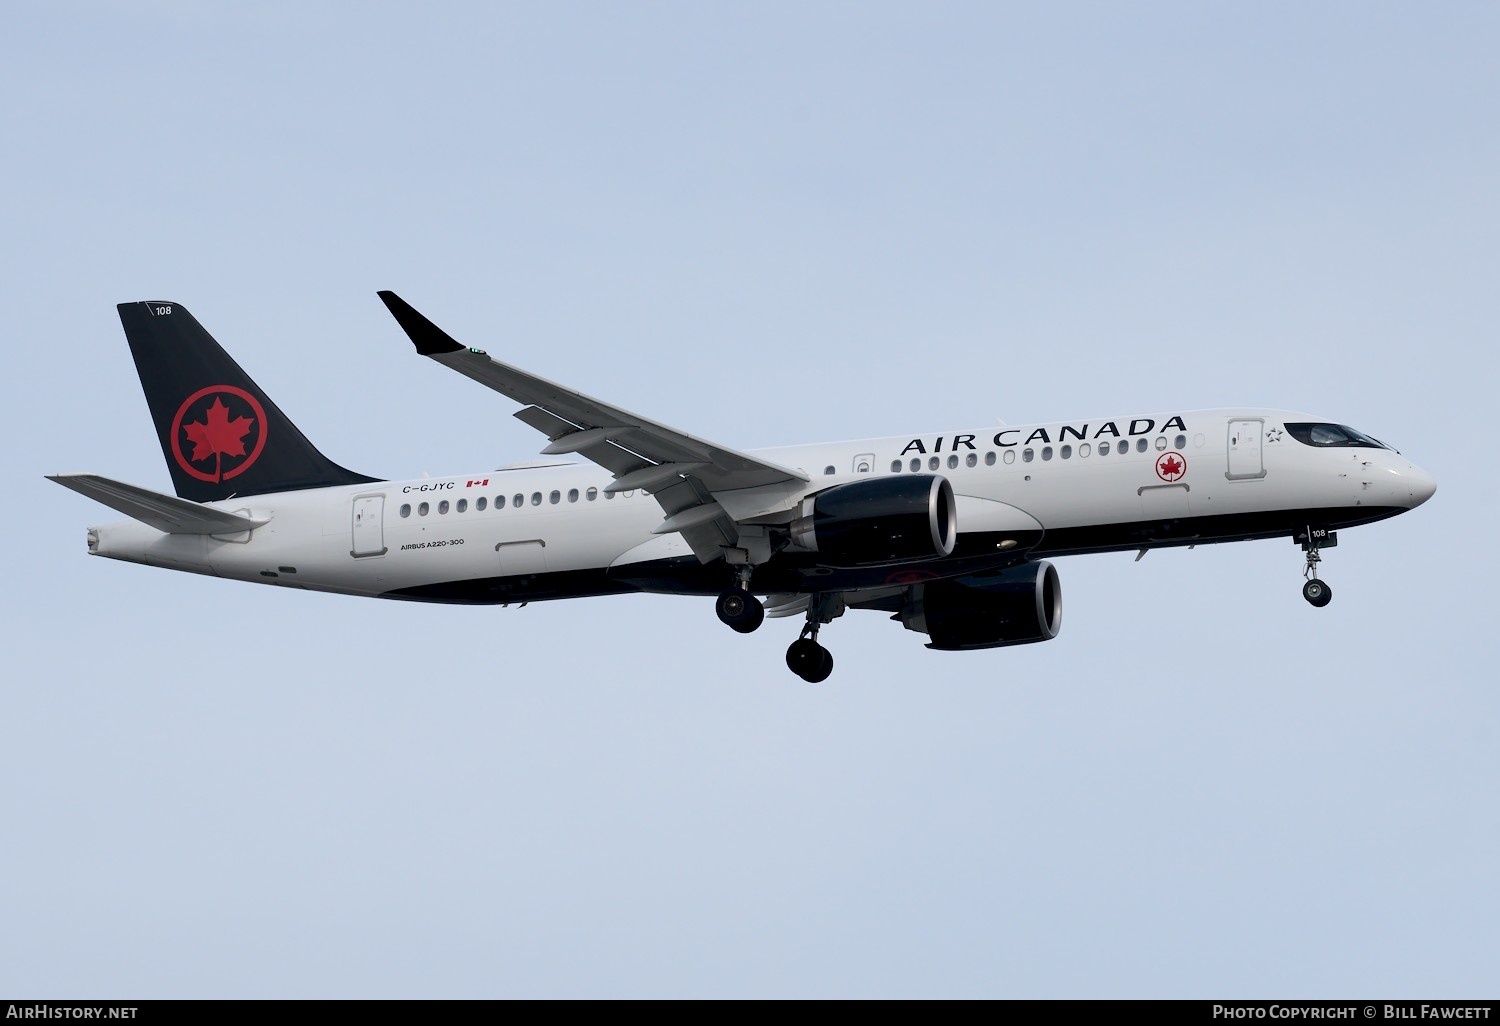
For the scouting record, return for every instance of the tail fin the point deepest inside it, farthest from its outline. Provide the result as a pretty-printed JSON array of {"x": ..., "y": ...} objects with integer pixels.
[{"x": 219, "y": 432}]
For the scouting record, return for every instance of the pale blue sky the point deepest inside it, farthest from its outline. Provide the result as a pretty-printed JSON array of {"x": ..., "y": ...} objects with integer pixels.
[{"x": 762, "y": 224}]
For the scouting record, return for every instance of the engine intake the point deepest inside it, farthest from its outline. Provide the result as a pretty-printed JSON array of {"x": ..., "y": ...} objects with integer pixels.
[
  {"x": 881, "y": 520},
  {"x": 1017, "y": 606}
]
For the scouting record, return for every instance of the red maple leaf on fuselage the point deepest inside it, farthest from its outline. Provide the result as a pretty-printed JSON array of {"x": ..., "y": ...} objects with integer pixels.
[
  {"x": 219, "y": 434},
  {"x": 1171, "y": 467}
]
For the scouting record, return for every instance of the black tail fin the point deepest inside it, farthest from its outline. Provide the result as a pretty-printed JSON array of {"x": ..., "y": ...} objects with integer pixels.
[{"x": 220, "y": 434}]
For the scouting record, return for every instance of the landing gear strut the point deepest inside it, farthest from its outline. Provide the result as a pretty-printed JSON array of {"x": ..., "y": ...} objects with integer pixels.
[
  {"x": 1317, "y": 592},
  {"x": 738, "y": 608}
]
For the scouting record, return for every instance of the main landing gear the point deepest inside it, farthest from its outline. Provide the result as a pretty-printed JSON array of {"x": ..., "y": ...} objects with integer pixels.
[
  {"x": 739, "y": 609},
  {"x": 806, "y": 658},
  {"x": 1317, "y": 592}
]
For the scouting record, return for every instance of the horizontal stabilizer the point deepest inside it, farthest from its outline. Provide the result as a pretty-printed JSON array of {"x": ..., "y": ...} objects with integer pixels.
[{"x": 166, "y": 513}]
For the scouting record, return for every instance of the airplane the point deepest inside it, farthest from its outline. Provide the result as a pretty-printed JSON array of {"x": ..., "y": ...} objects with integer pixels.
[{"x": 950, "y": 533}]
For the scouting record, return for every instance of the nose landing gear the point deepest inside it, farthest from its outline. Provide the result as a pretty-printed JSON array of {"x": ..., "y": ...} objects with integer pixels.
[{"x": 1317, "y": 592}]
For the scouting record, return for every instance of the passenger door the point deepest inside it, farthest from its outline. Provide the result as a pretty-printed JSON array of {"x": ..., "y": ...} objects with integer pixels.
[
  {"x": 369, "y": 527},
  {"x": 1245, "y": 437}
]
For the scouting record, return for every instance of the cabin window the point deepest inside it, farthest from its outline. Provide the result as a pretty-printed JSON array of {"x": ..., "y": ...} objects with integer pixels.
[
  {"x": 462, "y": 505},
  {"x": 592, "y": 494},
  {"x": 916, "y": 465},
  {"x": 518, "y": 500},
  {"x": 1066, "y": 452},
  {"x": 1161, "y": 444},
  {"x": 1103, "y": 448},
  {"x": 828, "y": 470},
  {"x": 989, "y": 459},
  {"x": 480, "y": 503},
  {"x": 971, "y": 460},
  {"x": 406, "y": 509},
  {"x": 536, "y": 498},
  {"x": 1046, "y": 452},
  {"x": 1083, "y": 450},
  {"x": 895, "y": 466},
  {"x": 934, "y": 463},
  {"x": 422, "y": 510},
  {"x": 1010, "y": 456},
  {"x": 1027, "y": 455},
  {"x": 443, "y": 508},
  {"x": 1180, "y": 442},
  {"x": 555, "y": 497},
  {"x": 572, "y": 494},
  {"x": 1140, "y": 445}
]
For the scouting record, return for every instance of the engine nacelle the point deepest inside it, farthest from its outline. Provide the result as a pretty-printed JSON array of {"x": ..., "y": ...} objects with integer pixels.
[
  {"x": 1012, "y": 607},
  {"x": 879, "y": 520}
]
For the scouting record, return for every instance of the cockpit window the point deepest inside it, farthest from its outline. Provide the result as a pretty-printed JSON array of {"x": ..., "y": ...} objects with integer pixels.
[{"x": 1332, "y": 436}]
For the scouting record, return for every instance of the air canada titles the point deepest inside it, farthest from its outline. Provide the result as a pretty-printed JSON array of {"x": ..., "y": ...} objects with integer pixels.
[{"x": 1007, "y": 437}]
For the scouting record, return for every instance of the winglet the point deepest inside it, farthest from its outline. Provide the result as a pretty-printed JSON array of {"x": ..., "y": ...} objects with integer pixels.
[{"x": 429, "y": 339}]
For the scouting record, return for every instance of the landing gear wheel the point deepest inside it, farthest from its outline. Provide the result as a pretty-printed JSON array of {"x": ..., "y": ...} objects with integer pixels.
[
  {"x": 1317, "y": 593},
  {"x": 803, "y": 656},
  {"x": 819, "y": 675},
  {"x": 740, "y": 610},
  {"x": 809, "y": 660}
]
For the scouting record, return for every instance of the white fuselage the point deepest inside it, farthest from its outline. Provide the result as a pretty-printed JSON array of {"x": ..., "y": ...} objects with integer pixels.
[{"x": 553, "y": 531}]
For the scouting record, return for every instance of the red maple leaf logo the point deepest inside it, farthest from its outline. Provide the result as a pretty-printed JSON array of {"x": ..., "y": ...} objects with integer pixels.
[
  {"x": 219, "y": 434},
  {"x": 1170, "y": 467}
]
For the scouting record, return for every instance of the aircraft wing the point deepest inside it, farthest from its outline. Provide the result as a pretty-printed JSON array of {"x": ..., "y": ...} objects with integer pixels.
[
  {"x": 167, "y": 513},
  {"x": 687, "y": 475}
]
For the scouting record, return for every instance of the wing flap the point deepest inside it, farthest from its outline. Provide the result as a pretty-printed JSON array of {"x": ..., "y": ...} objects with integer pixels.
[
  {"x": 548, "y": 424},
  {"x": 778, "y": 606},
  {"x": 167, "y": 513}
]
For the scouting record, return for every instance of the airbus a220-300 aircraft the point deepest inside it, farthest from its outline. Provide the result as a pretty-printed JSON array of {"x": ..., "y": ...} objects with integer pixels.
[{"x": 949, "y": 533}]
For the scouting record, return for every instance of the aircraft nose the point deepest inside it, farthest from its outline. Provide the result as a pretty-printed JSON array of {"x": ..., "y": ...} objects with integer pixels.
[{"x": 1420, "y": 485}]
